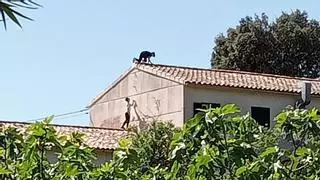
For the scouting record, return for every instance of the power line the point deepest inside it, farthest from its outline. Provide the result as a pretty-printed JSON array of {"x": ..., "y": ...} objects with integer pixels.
[
  {"x": 68, "y": 117},
  {"x": 61, "y": 115}
]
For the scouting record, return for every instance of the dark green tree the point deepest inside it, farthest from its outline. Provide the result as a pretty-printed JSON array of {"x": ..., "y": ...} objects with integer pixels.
[
  {"x": 288, "y": 46},
  {"x": 8, "y": 10}
]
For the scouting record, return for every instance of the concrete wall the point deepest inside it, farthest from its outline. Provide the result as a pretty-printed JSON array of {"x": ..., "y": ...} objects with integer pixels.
[
  {"x": 101, "y": 155},
  {"x": 244, "y": 98},
  {"x": 156, "y": 98}
]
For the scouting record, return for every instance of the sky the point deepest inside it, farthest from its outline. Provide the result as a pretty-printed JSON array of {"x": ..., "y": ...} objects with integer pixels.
[{"x": 73, "y": 51}]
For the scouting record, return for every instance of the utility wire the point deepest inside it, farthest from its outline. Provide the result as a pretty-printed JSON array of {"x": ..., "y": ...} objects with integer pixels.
[
  {"x": 68, "y": 117},
  {"x": 61, "y": 115}
]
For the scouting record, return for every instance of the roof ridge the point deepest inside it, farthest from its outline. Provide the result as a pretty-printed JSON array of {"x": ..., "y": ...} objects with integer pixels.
[
  {"x": 231, "y": 71},
  {"x": 62, "y": 125}
]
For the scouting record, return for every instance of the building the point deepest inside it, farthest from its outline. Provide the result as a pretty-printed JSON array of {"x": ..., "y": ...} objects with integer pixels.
[
  {"x": 175, "y": 93},
  {"x": 102, "y": 140}
]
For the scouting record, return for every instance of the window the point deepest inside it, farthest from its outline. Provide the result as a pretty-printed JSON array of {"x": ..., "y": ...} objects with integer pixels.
[
  {"x": 261, "y": 115},
  {"x": 197, "y": 106}
]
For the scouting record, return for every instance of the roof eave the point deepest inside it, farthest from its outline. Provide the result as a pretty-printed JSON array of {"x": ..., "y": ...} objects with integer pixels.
[{"x": 192, "y": 84}]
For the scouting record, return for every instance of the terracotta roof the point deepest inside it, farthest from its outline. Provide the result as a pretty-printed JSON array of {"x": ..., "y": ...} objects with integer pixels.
[
  {"x": 220, "y": 77},
  {"x": 97, "y": 138},
  {"x": 230, "y": 78}
]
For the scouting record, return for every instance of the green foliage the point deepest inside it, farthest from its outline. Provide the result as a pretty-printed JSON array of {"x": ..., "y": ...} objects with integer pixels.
[
  {"x": 217, "y": 143},
  {"x": 288, "y": 46},
  {"x": 24, "y": 155},
  {"x": 7, "y": 9},
  {"x": 75, "y": 159},
  {"x": 145, "y": 155},
  {"x": 221, "y": 144}
]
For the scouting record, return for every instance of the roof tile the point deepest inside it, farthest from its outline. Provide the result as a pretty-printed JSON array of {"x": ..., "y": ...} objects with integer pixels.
[
  {"x": 97, "y": 138},
  {"x": 229, "y": 78}
]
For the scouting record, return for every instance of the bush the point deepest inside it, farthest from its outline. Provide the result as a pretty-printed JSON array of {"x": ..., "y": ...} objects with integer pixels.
[{"x": 217, "y": 143}]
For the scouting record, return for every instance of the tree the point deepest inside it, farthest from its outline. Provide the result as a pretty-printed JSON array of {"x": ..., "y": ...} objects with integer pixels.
[
  {"x": 7, "y": 9},
  {"x": 24, "y": 154},
  {"x": 288, "y": 46},
  {"x": 218, "y": 143},
  {"x": 143, "y": 155},
  {"x": 221, "y": 144}
]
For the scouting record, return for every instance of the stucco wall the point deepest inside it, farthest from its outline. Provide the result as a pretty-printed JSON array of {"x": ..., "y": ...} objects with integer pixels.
[
  {"x": 244, "y": 98},
  {"x": 155, "y": 97},
  {"x": 101, "y": 155}
]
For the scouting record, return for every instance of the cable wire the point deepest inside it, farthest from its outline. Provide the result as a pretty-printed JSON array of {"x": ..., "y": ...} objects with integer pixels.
[
  {"x": 68, "y": 117},
  {"x": 61, "y": 115}
]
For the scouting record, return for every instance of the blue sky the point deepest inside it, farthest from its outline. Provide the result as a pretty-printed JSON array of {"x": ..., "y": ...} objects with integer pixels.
[{"x": 72, "y": 51}]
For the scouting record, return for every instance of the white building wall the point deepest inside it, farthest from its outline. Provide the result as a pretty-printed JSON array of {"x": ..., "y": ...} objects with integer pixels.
[
  {"x": 244, "y": 98},
  {"x": 155, "y": 97}
]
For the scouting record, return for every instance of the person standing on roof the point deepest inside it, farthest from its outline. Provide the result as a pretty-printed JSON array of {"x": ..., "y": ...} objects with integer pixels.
[{"x": 127, "y": 113}]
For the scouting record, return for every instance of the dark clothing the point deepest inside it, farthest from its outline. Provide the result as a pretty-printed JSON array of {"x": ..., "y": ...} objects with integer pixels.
[
  {"x": 127, "y": 121},
  {"x": 127, "y": 115}
]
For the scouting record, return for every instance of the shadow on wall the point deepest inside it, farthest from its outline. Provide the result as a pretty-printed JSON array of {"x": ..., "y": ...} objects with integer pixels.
[{"x": 141, "y": 117}]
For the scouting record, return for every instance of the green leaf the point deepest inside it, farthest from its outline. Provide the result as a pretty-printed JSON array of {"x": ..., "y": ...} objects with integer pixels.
[
  {"x": 281, "y": 118},
  {"x": 301, "y": 151},
  {"x": 203, "y": 158},
  {"x": 10, "y": 14},
  {"x": 38, "y": 130},
  {"x": 174, "y": 170},
  {"x": 4, "y": 171},
  {"x": 230, "y": 109},
  {"x": 268, "y": 151},
  {"x": 125, "y": 142},
  {"x": 178, "y": 147},
  {"x": 3, "y": 17},
  {"x": 48, "y": 120},
  {"x": 193, "y": 122},
  {"x": 241, "y": 170}
]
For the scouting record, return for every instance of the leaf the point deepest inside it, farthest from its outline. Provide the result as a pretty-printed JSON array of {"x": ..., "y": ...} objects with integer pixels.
[
  {"x": 281, "y": 118},
  {"x": 301, "y": 151},
  {"x": 245, "y": 145},
  {"x": 241, "y": 170},
  {"x": 48, "y": 120},
  {"x": 4, "y": 171},
  {"x": 174, "y": 170},
  {"x": 125, "y": 142},
  {"x": 3, "y": 17},
  {"x": 178, "y": 147},
  {"x": 203, "y": 158},
  {"x": 193, "y": 122},
  {"x": 230, "y": 109},
  {"x": 268, "y": 151},
  {"x": 10, "y": 14},
  {"x": 7, "y": 8},
  {"x": 276, "y": 176}
]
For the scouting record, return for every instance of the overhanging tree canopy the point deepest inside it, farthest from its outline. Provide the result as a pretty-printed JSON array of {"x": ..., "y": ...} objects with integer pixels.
[
  {"x": 7, "y": 10},
  {"x": 288, "y": 46}
]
